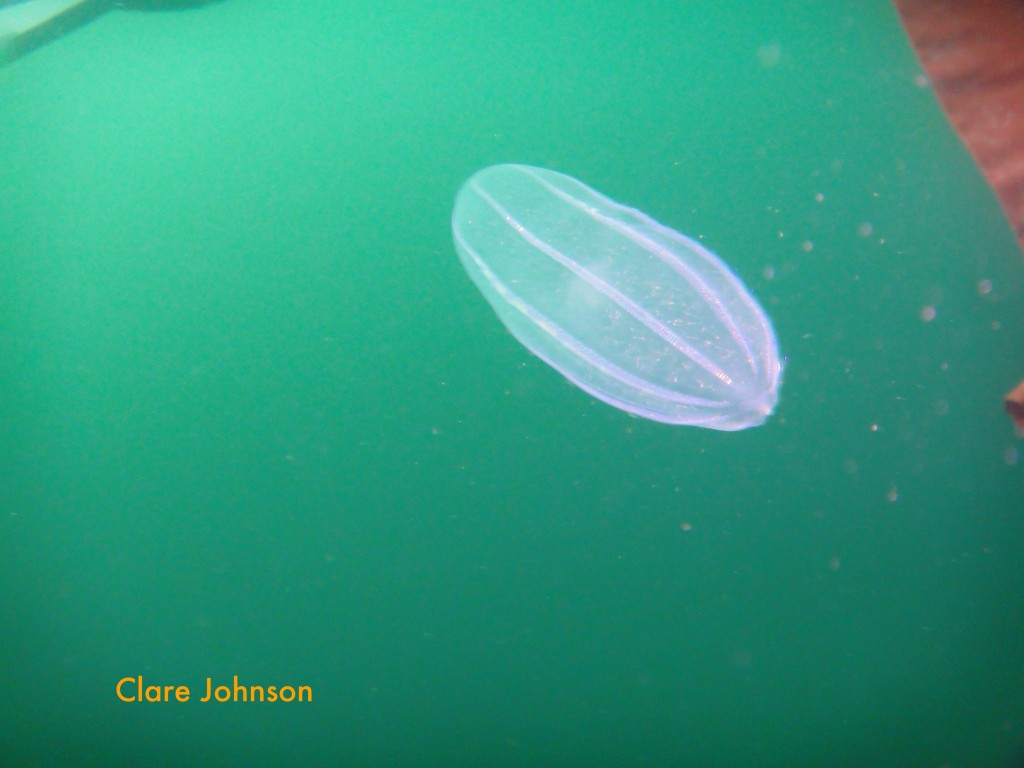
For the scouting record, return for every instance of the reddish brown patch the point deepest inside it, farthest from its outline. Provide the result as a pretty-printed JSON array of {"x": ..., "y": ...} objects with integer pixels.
[
  {"x": 973, "y": 52},
  {"x": 1014, "y": 403}
]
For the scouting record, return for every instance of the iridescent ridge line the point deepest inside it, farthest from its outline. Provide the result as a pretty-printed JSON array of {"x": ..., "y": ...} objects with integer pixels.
[
  {"x": 580, "y": 349},
  {"x": 768, "y": 340},
  {"x": 620, "y": 299},
  {"x": 699, "y": 285},
  {"x": 687, "y": 418}
]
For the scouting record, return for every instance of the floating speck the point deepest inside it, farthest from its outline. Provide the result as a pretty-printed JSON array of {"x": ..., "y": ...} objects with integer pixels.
[{"x": 769, "y": 55}]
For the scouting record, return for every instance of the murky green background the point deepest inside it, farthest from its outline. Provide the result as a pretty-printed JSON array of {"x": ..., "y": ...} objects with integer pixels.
[{"x": 255, "y": 420}]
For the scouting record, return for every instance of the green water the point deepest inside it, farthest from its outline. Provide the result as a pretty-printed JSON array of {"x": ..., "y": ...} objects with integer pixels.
[{"x": 256, "y": 421}]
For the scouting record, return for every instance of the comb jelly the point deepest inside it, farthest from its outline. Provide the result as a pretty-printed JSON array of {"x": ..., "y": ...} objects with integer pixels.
[{"x": 629, "y": 310}]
